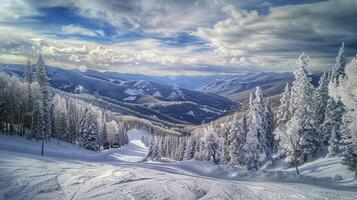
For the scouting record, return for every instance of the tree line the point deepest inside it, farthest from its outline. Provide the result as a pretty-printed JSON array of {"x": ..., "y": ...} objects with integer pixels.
[
  {"x": 32, "y": 109},
  {"x": 308, "y": 119}
]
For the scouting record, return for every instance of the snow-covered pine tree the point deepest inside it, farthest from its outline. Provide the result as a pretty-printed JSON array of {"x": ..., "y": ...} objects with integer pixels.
[
  {"x": 338, "y": 70},
  {"x": 329, "y": 121},
  {"x": 42, "y": 79},
  {"x": 44, "y": 118},
  {"x": 181, "y": 148},
  {"x": 224, "y": 144},
  {"x": 269, "y": 127},
  {"x": 346, "y": 143},
  {"x": 88, "y": 131},
  {"x": 260, "y": 124},
  {"x": 284, "y": 108},
  {"x": 338, "y": 113},
  {"x": 251, "y": 147},
  {"x": 344, "y": 89},
  {"x": 301, "y": 127},
  {"x": 190, "y": 148},
  {"x": 257, "y": 151},
  {"x": 60, "y": 118},
  {"x": 283, "y": 116},
  {"x": 319, "y": 99},
  {"x": 237, "y": 138},
  {"x": 210, "y": 142},
  {"x": 28, "y": 76}
]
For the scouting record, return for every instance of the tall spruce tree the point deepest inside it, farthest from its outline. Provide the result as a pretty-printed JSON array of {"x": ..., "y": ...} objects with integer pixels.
[
  {"x": 303, "y": 137},
  {"x": 257, "y": 150},
  {"x": 28, "y": 76},
  {"x": 237, "y": 137},
  {"x": 45, "y": 106}
]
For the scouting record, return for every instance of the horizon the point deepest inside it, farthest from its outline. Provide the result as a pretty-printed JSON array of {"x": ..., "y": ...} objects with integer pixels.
[{"x": 177, "y": 38}]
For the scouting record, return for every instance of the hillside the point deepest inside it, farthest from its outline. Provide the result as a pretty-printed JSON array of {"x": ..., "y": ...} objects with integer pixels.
[{"x": 145, "y": 97}]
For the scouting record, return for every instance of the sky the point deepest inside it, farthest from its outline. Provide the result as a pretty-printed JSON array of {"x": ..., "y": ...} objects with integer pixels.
[{"x": 177, "y": 37}]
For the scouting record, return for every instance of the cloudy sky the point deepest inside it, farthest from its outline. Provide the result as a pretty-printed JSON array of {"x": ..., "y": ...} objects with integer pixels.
[{"x": 171, "y": 37}]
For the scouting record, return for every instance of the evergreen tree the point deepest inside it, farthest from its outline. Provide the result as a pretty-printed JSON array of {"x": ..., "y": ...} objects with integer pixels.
[
  {"x": 237, "y": 138},
  {"x": 283, "y": 112},
  {"x": 210, "y": 142},
  {"x": 88, "y": 131},
  {"x": 338, "y": 71},
  {"x": 269, "y": 127},
  {"x": 257, "y": 150},
  {"x": 319, "y": 99},
  {"x": 190, "y": 148},
  {"x": 28, "y": 76},
  {"x": 283, "y": 116},
  {"x": 224, "y": 144},
  {"x": 44, "y": 119},
  {"x": 301, "y": 126}
]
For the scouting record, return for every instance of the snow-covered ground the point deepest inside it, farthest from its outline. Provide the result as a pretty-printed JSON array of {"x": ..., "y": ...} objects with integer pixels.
[
  {"x": 135, "y": 151},
  {"x": 68, "y": 172}
]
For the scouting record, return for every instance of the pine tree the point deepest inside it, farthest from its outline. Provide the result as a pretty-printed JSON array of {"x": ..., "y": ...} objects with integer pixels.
[
  {"x": 45, "y": 106},
  {"x": 329, "y": 121},
  {"x": 319, "y": 99},
  {"x": 88, "y": 131},
  {"x": 251, "y": 148},
  {"x": 302, "y": 127},
  {"x": 28, "y": 76},
  {"x": 210, "y": 142},
  {"x": 269, "y": 127},
  {"x": 284, "y": 108},
  {"x": 181, "y": 148},
  {"x": 257, "y": 150},
  {"x": 338, "y": 71},
  {"x": 224, "y": 144},
  {"x": 283, "y": 116},
  {"x": 346, "y": 143},
  {"x": 190, "y": 148},
  {"x": 237, "y": 138}
]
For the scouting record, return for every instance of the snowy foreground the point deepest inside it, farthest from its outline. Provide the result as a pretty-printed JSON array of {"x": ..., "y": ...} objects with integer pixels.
[{"x": 68, "y": 172}]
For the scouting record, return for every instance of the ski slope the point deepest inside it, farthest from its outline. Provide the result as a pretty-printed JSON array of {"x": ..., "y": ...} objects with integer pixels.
[
  {"x": 119, "y": 174},
  {"x": 135, "y": 151}
]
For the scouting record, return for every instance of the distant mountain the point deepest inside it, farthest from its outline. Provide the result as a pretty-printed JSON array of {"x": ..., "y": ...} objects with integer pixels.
[
  {"x": 238, "y": 87},
  {"x": 191, "y": 82},
  {"x": 141, "y": 96}
]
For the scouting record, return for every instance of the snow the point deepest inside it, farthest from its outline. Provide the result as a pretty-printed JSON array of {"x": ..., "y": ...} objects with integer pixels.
[
  {"x": 157, "y": 94},
  {"x": 135, "y": 151},
  {"x": 190, "y": 113},
  {"x": 129, "y": 98},
  {"x": 79, "y": 89},
  {"x": 133, "y": 92},
  {"x": 117, "y": 174},
  {"x": 208, "y": 110},
  {"x": 173, "y": 95}
]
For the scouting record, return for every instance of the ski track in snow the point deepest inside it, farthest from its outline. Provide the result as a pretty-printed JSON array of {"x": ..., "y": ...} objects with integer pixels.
[{"x": 119, "y": 174}]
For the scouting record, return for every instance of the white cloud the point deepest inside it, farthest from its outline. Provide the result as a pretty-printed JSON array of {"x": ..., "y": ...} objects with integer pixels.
[
  {"x": 235, "y": 38},
  {"x": 76, "y": 29},
  {"x": 278, "y": 37},
  {"x": 83, "y": 68}
]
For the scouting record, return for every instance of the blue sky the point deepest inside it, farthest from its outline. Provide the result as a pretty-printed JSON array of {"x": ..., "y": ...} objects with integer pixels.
[{"x": 167, "y": 37}]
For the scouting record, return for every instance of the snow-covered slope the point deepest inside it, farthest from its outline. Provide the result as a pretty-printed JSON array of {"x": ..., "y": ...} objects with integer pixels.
[
  {"x": 135, "y": 151},
  {"x": 27, "y": 175}
]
